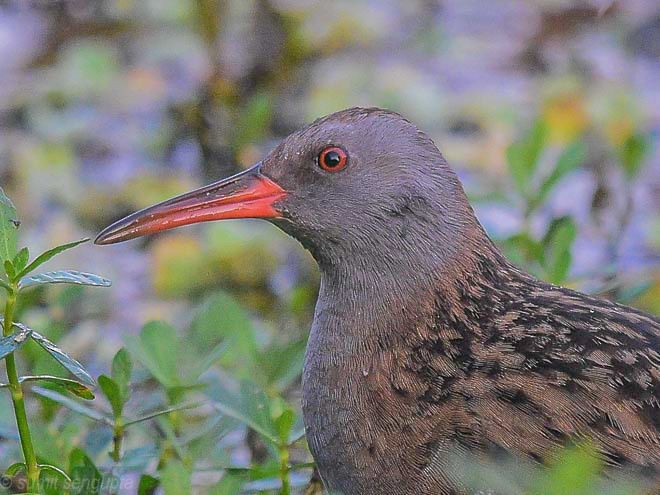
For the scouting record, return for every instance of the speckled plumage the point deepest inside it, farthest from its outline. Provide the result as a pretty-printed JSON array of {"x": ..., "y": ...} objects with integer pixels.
[
  {"x": 427, "y": 345},
  {"x": 499, "y": 363}
]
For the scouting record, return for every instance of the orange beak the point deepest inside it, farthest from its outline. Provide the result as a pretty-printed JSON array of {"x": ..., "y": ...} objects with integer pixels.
[{"x": 248, "y": 194}]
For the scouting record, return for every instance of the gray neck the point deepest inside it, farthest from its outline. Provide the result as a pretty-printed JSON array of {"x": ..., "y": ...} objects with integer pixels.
[{"x": 367, "y": 298}]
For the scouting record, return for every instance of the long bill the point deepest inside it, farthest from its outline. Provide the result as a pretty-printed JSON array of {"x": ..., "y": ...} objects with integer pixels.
[{"x": 248, "y": 194}]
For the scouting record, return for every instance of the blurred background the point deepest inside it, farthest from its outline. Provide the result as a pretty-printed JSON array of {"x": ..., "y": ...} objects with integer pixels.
[{"x": 107, "y": 106}]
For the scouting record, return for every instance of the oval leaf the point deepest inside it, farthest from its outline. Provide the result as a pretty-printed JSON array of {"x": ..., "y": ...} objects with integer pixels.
[
  {"x": 122, "y": 368},
  {"x": 523, "y": 155},
  {"x": 64, "y": 277},
  {"x": 12, "y": 342},
  {"x": 557, "y": 245},
  {"x": 73, "y": 366},
  {"x": 284, "y": 424},
  {"x": 8, "y": 228},
  {"x": 10, "y": 270},
  {"x": 76, "y": 388},
  {"x": 112, "y": 393},
  {"x": 48, "y": 255},
  {"x": 21, "y": 259}
]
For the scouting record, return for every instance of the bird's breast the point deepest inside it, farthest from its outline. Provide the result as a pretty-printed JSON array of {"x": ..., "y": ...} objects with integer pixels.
[{"x": 363, "y": 432}]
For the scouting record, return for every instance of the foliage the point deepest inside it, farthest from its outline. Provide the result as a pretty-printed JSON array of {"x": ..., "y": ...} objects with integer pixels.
[
  {"x": 16, "y": 279},
  {"x": 537, "y": 169},
  {"x": 549, "y": 255}
]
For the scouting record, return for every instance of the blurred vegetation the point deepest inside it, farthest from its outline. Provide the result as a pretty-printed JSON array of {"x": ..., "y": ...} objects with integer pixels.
[{"x": 546, "y": 109}]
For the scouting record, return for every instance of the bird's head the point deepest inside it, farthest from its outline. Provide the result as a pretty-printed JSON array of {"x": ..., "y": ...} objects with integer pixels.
[{"x": 358, "y": 182}]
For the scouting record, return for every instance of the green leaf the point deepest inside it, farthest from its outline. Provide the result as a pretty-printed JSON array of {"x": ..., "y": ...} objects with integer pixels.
[
  {"x": 198, "y": 367},
  {"x": 573, "y": 156},
  {"x": 122, "y": 368},
  {"x": 48, "y": 255},
  {"x": 632, "y": 154},
  {"x": 221, "y": 319},
  {"x": 523, "y": 156},
  {"x": 12, "y": 342},
  {"x": 175, "y": 479},
  {"x": 69, "y": 403},
  {"x": 253, "y": 120},
  {"x": 55, "y": 470},
  {"x": 72, "y": 386},
  {"x": 148, "y": 485},
  {"x": 157, "y": 349},
  {"x": 557, "y": 244},
  {"x": 9, "y": 269},
  {"x": 250, "y": 406},
  {"x": 576, "y": 472},
  {"x": 230, "y": 484},
  {"x": 64, "y": 277},
  {"x": 8, "y": 228},
  {"x": 175, "y": 393},
  {"x": 111, "y": 391},
  {"x": 282, "y": 364},
  {"x": 14, "y": 469},
  {"x": 5, "y": 286},
  {"x": 21, "y": 259},
  {"x": 284, "y": 424},
  {"x": 521, "y": 249},
  {"x": 70, "y": 364},
  {"x": 86, "y": 479}
]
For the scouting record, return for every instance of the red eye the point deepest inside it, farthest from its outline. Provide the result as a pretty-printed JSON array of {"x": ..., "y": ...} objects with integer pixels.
[{"x": 332, "y": 159}]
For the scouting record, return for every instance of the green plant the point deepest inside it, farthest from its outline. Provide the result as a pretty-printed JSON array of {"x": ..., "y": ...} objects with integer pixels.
[
  {"x": 246, "y": 389},
  {"x": 224, "y": 401},
  {"x": 574, "y": 469},
  {"x": 549, "y": 255},
  {"x": 273, "y": 419},
  {"x": 18, "y": 276}
]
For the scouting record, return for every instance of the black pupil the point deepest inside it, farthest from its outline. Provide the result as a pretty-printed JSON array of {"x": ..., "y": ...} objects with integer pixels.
[{"x": 332, "y": 159}]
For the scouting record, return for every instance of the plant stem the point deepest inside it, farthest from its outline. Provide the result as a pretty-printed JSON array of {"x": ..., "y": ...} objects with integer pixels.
[
  {"x": 117, "y": 440},
  {"x": 284, "y": 470},
  {"x": 18, "y": 400}
]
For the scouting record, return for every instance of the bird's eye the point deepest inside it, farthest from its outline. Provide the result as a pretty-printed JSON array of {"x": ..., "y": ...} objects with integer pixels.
[{"x": 332, "y": 159}]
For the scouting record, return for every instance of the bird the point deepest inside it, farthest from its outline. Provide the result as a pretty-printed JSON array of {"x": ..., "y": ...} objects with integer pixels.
[{"x": 427, "y": 344}]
